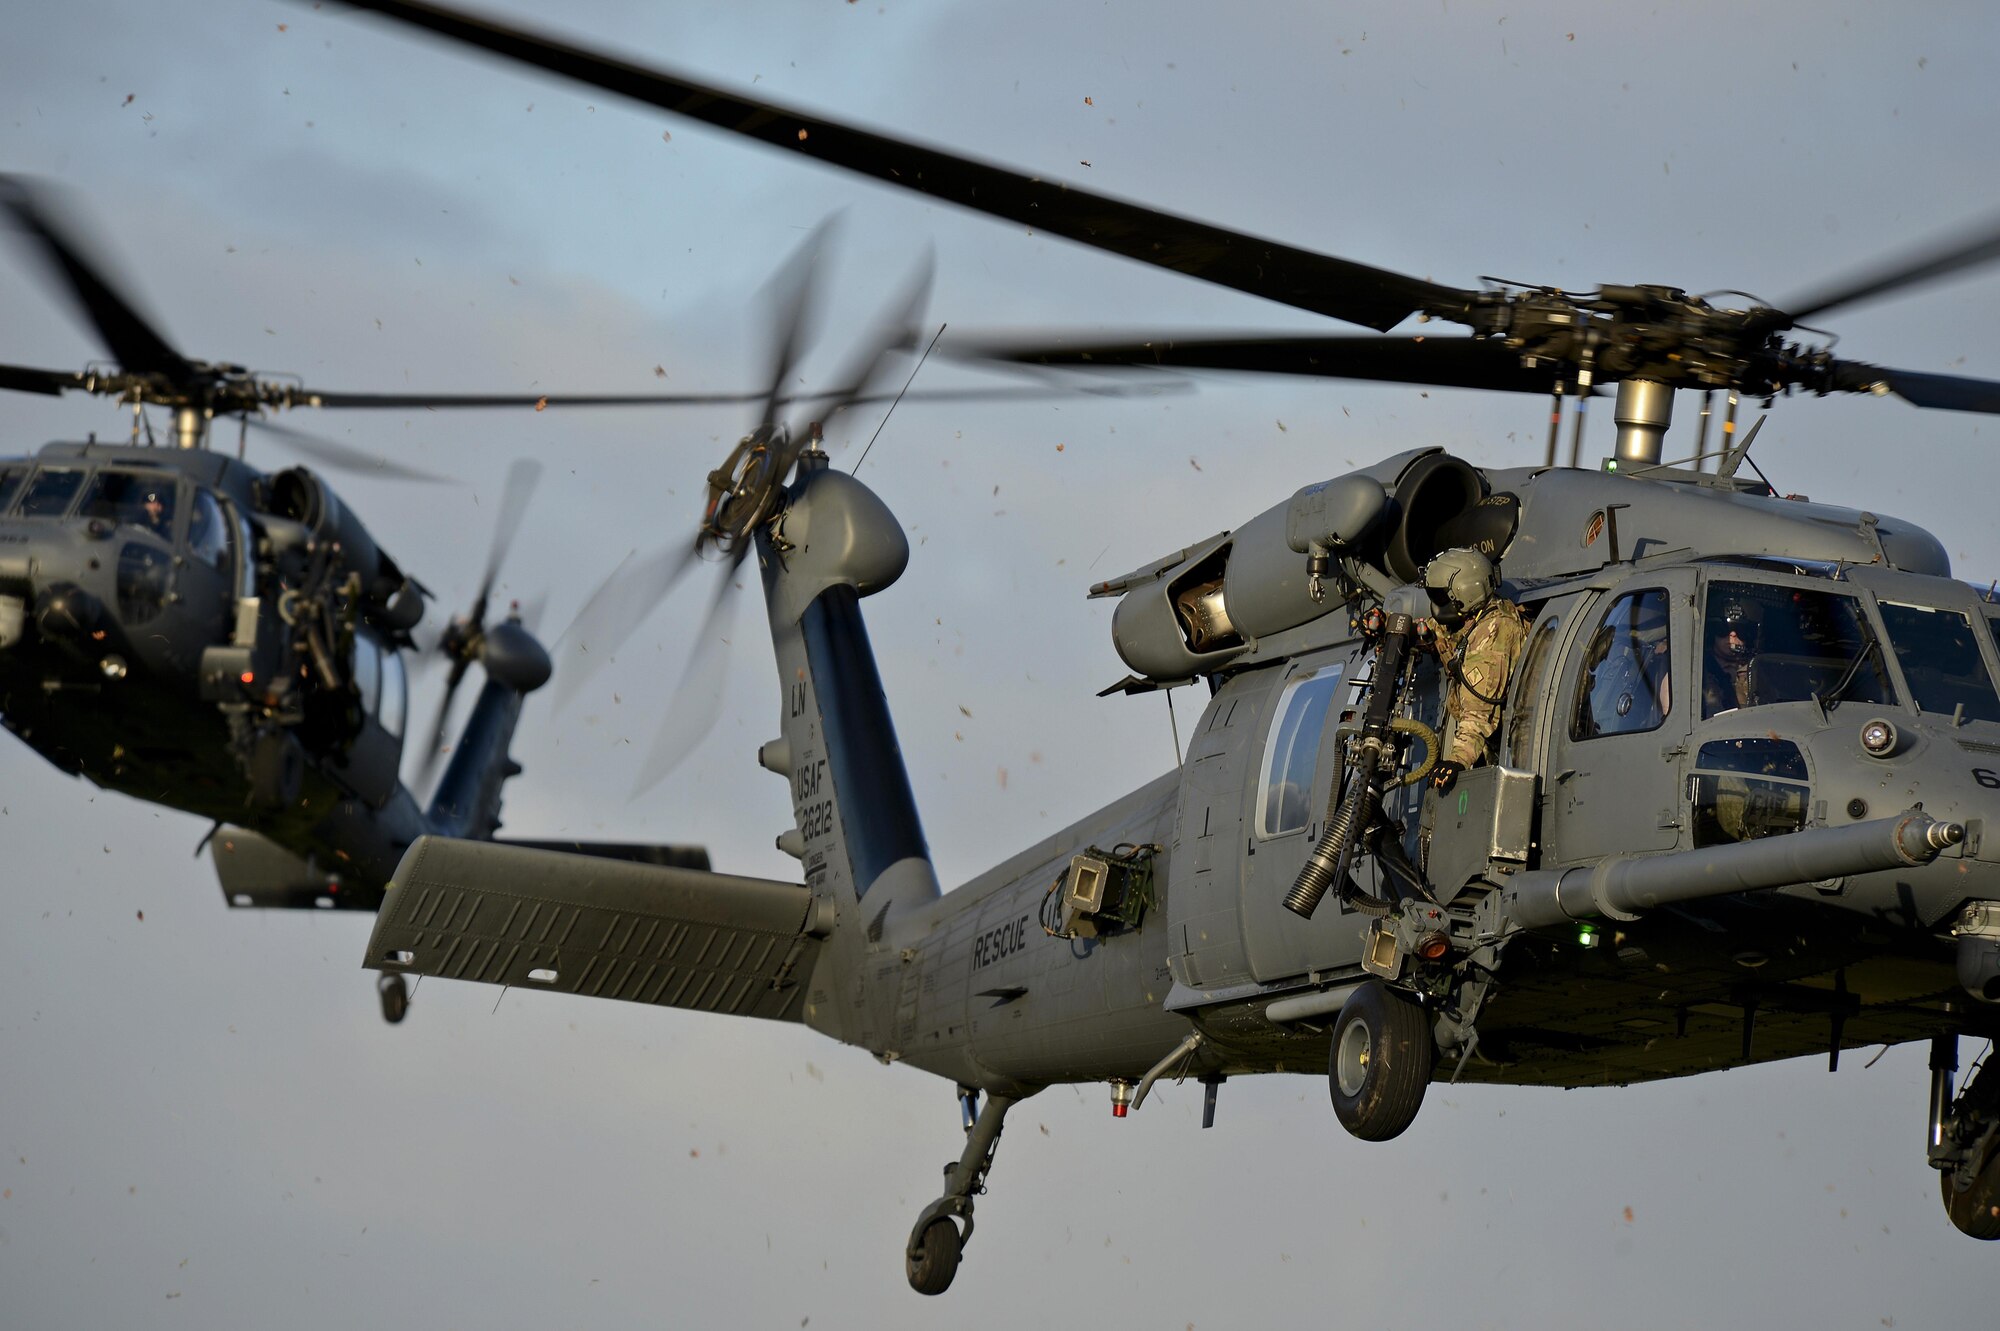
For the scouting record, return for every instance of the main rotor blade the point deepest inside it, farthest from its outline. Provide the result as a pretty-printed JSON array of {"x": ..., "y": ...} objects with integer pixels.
[
  {"x": 539, "y": 401},
  {"x": 1449, "y": 362},
  {"x": 344, "y": 457},
  {"x": 134, "y": 341},
  {"x": 1341, "y": 288},
  {"x": 58, "y": 380},
  {"x": 697, "y": 701},
  {"x": 614, "y": 613},
  {"x": 521, "y": 480},
  {"x": 26, "y": 379},
  {"x": 1943, "y": 392},
  {"x": 1977, "y": 245}
]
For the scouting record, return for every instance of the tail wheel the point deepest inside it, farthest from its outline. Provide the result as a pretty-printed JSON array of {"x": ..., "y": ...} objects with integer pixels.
[
  {"x": 395, "y": 994},
  {"x": 1380, "y": 1062},
  {"x": 1976, "y": 1211},
  {"x": 935, "y": 1260}
]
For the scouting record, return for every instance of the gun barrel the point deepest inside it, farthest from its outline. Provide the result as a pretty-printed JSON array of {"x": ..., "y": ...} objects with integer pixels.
[{"x": 1619, "y": 889}]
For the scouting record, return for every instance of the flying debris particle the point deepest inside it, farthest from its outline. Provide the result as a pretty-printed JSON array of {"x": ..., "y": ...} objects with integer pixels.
[
  {"x": 1571, "y": 36},
  {"x": 142, "y": 917},
  {"x": 693, "y": 1154},
  {"x": 128, "y": 99},
  {"x": 1088, "y": 102},
  {"x": 963, "y": 711},
  {"x": 1282, "y": 429},
  {"x": 283, "y": 26},
  {"x": 814, "y": 1072},
  {"x": 1003, "y": 778},
  {"x": 1628, "y": 1215},
  {"x": 666, "y": 136},
  {"x": 1194, "y": 464},
  {"x": 1044, "y": 1127},
  {"x": 513, "y": 281},
  {"x": 541, "y": 404},
  {"x": 659, "y": 371},
  {"x": 1081, "y": 162},
  {"x": 802, "y": 136},
  {"x": 1059, "y": 448}
]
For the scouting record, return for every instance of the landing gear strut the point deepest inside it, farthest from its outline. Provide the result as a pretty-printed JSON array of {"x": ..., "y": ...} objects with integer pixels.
[
  {"x": 1965, "y": 1142},
  {"x": 930, "y": 1259}
]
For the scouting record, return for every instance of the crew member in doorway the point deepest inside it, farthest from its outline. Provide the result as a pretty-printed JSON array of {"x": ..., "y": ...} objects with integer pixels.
[{"x": 1480, "y": 637}]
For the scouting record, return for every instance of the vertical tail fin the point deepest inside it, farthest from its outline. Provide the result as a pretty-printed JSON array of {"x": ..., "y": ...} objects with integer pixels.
[
  {"x": 467, "y": 802},
  {"x": 857, "y": 828}
]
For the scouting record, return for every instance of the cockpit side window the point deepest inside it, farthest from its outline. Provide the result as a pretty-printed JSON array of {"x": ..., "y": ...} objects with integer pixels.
[
  {"x": 1768, "y": 644},
  {"x": 208, "y": 530},
  {"x": 141, "y": 499},
  {"x": 395, "y": 692},
  {"x": 1292, "y": 754},
  {"x": 1626, "y": 685},
  {"x": 368, "y": 672},
  {"x": 10, "y": 482},
  {"x": 1941, "y": 663},
  {"x": 49, "y": 493}
]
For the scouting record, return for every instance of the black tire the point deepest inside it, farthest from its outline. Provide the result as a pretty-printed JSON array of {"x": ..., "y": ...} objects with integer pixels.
[
  {"x": 1380, "y": 1062},
  {"x": 395, "y": 994},
  {"x": 277, "y": 771},
  {"x": 935, "y": 1261},
  {"x": 1976, "y": 1211}
]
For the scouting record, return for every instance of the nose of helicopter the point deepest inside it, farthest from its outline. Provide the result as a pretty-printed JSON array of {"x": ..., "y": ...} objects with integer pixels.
[{"x": 1872, "y": 765}]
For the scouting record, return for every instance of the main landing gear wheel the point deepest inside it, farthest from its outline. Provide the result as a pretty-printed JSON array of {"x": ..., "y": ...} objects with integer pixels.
[
  {"x": 932, "y": 1260},
  {"x": 1976, "y": 1211},
  {"x": 395, "y": 995},
  {"x": 1380, "y": 1062}
]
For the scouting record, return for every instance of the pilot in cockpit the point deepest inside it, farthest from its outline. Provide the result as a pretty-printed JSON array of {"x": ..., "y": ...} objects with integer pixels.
[{"x": 1735, "y": 632}]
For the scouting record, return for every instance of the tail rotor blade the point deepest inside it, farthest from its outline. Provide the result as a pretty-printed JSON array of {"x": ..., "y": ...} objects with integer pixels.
[
  {"x": 896, "y": 331},
  {"x": 614, "y": 612},
  {"x": 521, "y": 480},
  {"x": 793, "y": 294},
  {"x": 434, "y": 749},
  {"x": 692, "y": 712}
]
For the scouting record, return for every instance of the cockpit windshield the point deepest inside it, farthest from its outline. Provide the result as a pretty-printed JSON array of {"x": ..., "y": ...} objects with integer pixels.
[
  {"x": 10, "y": 481},
  {"x": 49, "y": 493},
  {"x": 1769, "y": 644},
  {"x": 139, "y": 499},
  {"x": 1939, "y": 653}
]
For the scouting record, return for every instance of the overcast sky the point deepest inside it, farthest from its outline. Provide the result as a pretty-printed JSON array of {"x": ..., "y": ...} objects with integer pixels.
[{"x": 203, "y": 1121}]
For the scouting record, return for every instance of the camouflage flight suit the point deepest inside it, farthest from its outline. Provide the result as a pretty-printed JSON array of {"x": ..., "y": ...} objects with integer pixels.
[
  {"x": 1726, "y": 686},
  {"x": 1478, "y": 660}
]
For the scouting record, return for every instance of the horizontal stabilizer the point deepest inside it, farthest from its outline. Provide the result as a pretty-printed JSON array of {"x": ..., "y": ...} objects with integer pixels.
[
  {"x": 591, "y": 924},
  {"x": 638, "y": 852},
  {"x": 259, "y": 874}
]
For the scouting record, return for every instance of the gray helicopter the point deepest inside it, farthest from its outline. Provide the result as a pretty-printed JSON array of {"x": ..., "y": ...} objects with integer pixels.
[
  {"x": 183, "y": 627},
  {"x": 1735, "y": 812}
]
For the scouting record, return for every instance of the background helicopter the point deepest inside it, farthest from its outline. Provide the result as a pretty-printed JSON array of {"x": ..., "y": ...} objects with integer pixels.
[
  {"x": 317, "y": 1090},
  {"x": 183, "y": 628}
]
